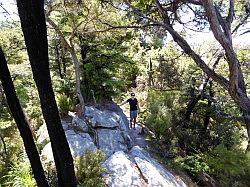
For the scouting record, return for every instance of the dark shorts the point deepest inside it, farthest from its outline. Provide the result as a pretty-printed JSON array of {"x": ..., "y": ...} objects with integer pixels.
[{"x": 133, "y": 114}]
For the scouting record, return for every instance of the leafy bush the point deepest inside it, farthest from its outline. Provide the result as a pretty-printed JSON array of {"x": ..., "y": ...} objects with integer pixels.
[
  {"x": 50, "y": 173},
  {"x": 107, "y": 69},
  {"x": 20, "y": 174},
  {"x": 230, "y": 166},
  {"x": 192, "y": 164},
  {"x": 89, "y": 170},
  {"x": 162, "y": 113},
  {"x": 64, "y": 104}
]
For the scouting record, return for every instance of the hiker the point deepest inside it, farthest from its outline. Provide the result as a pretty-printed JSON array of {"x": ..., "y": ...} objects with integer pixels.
[{"x": 134, "y": 109}]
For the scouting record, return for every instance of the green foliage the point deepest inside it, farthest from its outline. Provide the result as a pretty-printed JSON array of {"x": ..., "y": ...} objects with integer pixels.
[
  {"x": 50, "y": 173},
  {"x": 162, "y": 116},
  {"x": 89, "y": 170},
  {"x": 12, "y": 43},
  {"x": 230, "y": 166},
  {"x": 20, "y": 174},
  {"x": 10, "y": 146},
  {"x": 65, "y": 104},
  {"x": 193, "y": 164},
  {"x": 107, "y": 70}
]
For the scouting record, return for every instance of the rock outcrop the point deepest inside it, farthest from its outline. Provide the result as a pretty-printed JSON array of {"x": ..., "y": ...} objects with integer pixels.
[{"x": 126, "y": 164}]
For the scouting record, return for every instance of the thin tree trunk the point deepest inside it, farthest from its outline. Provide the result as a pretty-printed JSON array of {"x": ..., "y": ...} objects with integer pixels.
[
  {"x": 64, "y": 66},
  {"x": 76, "y": 62},
  {"x": 208, "y": 112},
  {"x": 4, "y": 145},
  {"x": 33, "y": 24},
  {"x": 150, "y": 74},
  {"x": 78, "y": 81},
  {"x": 21, "y": 122},
  {"x": 58, "y": 61}
]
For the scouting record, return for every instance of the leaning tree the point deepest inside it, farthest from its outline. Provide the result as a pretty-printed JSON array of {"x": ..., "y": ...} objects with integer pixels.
[
  {"x": 223, "y": 18},
  {"x": 33, "y": 25},
  {"x": 22, "y": 123}
]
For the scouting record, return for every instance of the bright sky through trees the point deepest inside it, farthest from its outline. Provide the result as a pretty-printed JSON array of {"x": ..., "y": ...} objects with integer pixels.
[{"x": 8, "y": 11}]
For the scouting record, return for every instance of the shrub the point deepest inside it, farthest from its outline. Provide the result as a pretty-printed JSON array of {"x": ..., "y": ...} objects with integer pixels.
[
  {"x": 192, "y": 164},
  {"x": 64, "y": 104},
  {"x": 230, "y": 166},
  {"x": 89, "y": 170},
  {"x": 162, "y": 115},
  {"x": 50, "y": 173},
  {"x": 20, "y": 174}
]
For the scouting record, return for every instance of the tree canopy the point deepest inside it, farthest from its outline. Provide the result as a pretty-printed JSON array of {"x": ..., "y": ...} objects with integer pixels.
[{"x": 182, "y": 58}]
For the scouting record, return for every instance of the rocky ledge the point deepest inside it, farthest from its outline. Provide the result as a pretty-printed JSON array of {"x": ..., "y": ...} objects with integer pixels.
[{"x": 126, "y": 164}]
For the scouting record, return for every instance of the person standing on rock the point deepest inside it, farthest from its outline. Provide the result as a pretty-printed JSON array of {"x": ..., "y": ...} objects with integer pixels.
[{"x": 134, "y": 109}]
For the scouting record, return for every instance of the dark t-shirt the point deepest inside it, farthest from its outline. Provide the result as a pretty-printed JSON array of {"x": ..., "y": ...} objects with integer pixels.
[{"x": 132, "y": 104}]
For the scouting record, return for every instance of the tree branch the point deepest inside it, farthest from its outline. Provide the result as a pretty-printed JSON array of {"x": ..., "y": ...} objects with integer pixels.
[
  {"x": 195, "y": 2},
  {"x": 163, "y": 12},
  {"x": 186, "y": 48},
  {"x": 5, "y": 11},
  {"x": 225, "y": 25},
  {"x": 230, "y": 15},
  {"x": 226, "y": 44},
  {"x": 241, "y": 23},
  {"x": 59, "y": 32},
  {"x": 214, "y": 22}
]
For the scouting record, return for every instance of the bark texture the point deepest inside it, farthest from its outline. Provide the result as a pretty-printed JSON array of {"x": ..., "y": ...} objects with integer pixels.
[
  {"x": 33, "y": 24},
  {"x": 22, "y": 123}
]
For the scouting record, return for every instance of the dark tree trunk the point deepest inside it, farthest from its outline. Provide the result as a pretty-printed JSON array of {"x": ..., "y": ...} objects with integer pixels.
[
  {"x": 150, "y": 74},
  {"x": 58, "y": 61},
  {"x": 4, "y": 145},
  {"x": 2, "y": 97},
  {"x": 64, "y": 66},
  {"x": 208, "y": 112},
  {"x": 33, "y": 24},
  {"x": 190, "y": 107},
  {"x": 84, "y": 48},
  {"x": 21, "y": 122}
]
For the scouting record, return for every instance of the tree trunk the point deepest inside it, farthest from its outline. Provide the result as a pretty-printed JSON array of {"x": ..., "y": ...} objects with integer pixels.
[
  {"x": 76, "y": 64},
  {"x": 64, "y": 64},
  {"x": 208, "y": 112},
  {"x": 150, "y": 74},
  {"x": 78, "y": 80},
  {"x": 33, "y": 24},
  {"x": 221, "y": 29},
  {"x": 238, "y": 95},
  {"x": 58, "y": 61},
  {"x": 21, "y": 122}
]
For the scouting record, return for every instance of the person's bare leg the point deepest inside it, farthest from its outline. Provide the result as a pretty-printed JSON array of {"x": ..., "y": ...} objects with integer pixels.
[
  {"x": 134, "y": 122},
  {"x": 131, "y": 122}
]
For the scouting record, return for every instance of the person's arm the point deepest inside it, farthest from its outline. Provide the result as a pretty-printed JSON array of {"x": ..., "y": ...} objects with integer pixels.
[{"x": 123, "y": 103}]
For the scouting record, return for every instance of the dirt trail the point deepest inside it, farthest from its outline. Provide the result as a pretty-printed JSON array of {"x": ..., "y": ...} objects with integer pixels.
[{"x": 138, "y": 138}]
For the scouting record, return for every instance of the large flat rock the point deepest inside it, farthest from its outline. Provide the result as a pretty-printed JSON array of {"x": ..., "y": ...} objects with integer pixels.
[
  {"x": 98, "y": 118},
  {"x": 149, "y": 166},
  {"x": 78, "y": 144},
  {"x": 110, "y": 141},
  {"x": 121, "y": 172}
]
